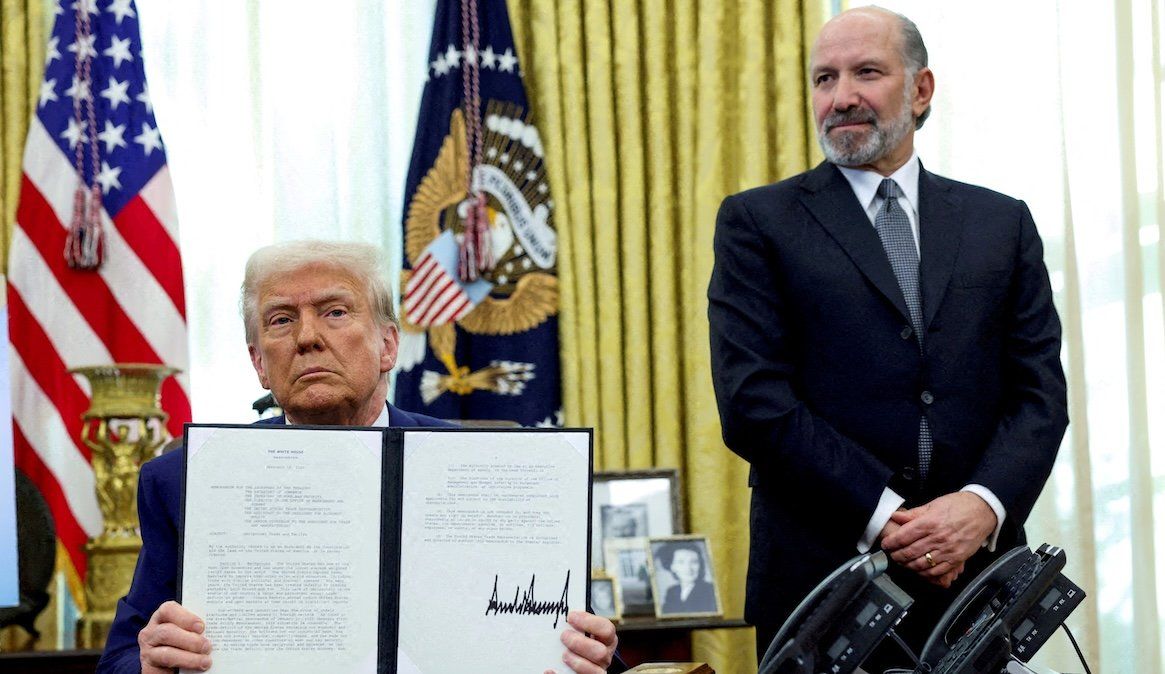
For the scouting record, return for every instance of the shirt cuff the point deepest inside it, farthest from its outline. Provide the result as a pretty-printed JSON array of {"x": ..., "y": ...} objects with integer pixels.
[
  {"x": 889, "y": 502},
  {"x": 995, "y": 505}
]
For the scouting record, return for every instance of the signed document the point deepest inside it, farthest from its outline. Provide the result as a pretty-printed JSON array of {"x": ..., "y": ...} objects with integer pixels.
[
  {"x": 281, "y": 548},
  {"x": 494, "y": 553}
]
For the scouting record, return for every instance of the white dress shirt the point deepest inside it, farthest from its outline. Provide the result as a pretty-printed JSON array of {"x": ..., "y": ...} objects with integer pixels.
[{"x": 382, "y": 420}]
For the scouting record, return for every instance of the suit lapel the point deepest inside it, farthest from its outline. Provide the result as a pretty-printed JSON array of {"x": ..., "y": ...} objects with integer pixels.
[
  {"x": 941, "y": 222},
  {"x": 829, "y": 197},
  {"x": 398, "y": 418}
]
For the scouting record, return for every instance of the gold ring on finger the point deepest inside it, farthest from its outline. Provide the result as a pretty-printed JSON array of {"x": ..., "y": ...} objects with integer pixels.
[{"x": 930, "y": 560}]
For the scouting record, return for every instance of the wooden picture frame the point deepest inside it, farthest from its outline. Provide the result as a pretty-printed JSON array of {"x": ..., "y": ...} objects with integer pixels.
[
  {"x": 630, "y": 565},
  {"x": 634, "y": 503},
  {"x": 606, "y": 599},
  {"x": 682, "y": 577}
]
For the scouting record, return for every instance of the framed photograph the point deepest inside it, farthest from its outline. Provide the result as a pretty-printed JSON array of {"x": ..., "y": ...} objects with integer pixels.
[
  {"x": 634, "y": 504},
  {"x": 623, "y": 521},
  {"x": 628, "y": 564},
  {"x": 605, "y": 599},
  {"x": 683, "y": 584}
]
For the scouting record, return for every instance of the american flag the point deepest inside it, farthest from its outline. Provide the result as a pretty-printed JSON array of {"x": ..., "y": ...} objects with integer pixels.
[
  {"x": 497, "y": 356},
  {"x": 434, "y": 295},
  {"x": 131, "y": 309}
]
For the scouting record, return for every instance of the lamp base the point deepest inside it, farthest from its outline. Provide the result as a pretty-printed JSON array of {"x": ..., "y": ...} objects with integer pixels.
[{"x": 111, "y": 566}]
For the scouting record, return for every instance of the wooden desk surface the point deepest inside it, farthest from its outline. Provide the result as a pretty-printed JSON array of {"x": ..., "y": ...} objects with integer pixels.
[
  {"x": 647, "y": 624},
  {"x": 49, "y": 662},
  {"x": 648, "y": 640}
]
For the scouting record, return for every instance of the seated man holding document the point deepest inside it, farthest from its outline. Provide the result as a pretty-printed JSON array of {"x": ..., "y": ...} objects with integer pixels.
[{"x": 322, "y": 337}]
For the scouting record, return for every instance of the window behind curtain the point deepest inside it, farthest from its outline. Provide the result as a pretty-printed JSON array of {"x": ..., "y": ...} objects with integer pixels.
[{"x": 282, "y": 120}]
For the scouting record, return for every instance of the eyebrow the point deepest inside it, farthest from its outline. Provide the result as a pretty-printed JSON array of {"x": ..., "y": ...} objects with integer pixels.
[
  {"x": 866, "y": 63},
  {"x": 326, "y": 296}
]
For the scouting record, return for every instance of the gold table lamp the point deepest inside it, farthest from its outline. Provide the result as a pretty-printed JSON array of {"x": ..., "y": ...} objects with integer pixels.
[{"x": 124, "y": 426}]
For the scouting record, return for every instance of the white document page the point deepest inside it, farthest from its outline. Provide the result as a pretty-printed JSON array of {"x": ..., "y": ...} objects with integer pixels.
[
  {"x": 281, "y": 552},
  {"x": 493, "y": 549}
]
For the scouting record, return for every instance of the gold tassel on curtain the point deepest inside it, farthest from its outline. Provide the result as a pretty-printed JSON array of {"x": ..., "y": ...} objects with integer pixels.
[
  {"x": 22, "y": 49},
  {"x": 654, "y": 111}
]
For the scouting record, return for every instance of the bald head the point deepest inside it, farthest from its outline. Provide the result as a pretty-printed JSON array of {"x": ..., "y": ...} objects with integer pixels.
[
  {"x": 871, "y": 14},
  {"x": 866, "y": 13}
]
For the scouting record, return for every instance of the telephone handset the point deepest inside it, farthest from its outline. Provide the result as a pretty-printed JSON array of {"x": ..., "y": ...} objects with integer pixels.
[
  {"x": 1009, "y": 610},
  {"x": 840, "y": 622}
]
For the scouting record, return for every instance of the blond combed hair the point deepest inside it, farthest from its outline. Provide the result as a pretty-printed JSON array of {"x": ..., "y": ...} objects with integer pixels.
[{"x": 363, "y": 262}]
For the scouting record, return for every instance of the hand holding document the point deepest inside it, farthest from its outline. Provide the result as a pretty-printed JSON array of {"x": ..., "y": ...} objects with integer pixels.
[
  {"x": 281, "y": 546},
  {"x": 493, "y": 548},
  {"x": 309, "y": 549}
]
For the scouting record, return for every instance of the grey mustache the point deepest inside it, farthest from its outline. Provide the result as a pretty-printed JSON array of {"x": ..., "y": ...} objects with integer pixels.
[{"x": 837, "y": 119}]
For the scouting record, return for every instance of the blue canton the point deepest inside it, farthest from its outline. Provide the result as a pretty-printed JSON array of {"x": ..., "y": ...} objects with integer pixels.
[{"x": 130, "y": 148}]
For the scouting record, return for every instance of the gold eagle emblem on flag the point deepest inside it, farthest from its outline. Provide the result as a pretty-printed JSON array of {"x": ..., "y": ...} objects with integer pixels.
[{"x": 522, "y": 285}]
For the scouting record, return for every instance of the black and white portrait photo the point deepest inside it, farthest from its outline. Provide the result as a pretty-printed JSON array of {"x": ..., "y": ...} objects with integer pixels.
[
  {"x": 624, "y": 521},
  {"x": 684, "y": 583},
  {"x": 605, "y": 598}
]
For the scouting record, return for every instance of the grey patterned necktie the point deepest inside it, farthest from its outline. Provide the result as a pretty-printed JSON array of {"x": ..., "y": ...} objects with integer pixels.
[{"x": 893, "y": 227}]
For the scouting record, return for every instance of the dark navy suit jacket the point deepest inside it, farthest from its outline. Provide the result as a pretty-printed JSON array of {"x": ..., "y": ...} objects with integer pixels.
[
  {"x": 820, "y": 381},
  {"x": 156, "y": 576}
]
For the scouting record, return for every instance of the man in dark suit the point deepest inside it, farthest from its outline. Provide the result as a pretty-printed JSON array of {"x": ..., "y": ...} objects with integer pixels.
[
  {"x": 322, "y": 337},
  {"x": 885, "y": 351}
]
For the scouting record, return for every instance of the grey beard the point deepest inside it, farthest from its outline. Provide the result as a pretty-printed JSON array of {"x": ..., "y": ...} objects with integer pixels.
[{"x": 846, "y": 150}]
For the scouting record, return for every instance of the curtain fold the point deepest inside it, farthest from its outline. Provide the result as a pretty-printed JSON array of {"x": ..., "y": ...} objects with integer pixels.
[
  {"x": 23, "y": 35},
  {"x": 1158, "y": 76},
  {"x": 1047, "y": 522},
  {"x": 1145, "y": 618},
  {"x": 653, "y": 112},
  {"x": 22, "y": 49}
]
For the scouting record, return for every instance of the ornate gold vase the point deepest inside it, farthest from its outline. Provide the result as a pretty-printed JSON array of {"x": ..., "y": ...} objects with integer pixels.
[{"x": 124, "y": 426}]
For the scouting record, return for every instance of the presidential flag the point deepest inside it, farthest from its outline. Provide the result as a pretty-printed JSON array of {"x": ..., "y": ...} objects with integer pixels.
[
  {"x": 95, "y": 276},
  {"x": 479, "y": 291}
]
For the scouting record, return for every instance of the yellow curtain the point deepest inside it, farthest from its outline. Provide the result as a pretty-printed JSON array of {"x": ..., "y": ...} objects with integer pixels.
[
  {"x": 22, "y": 50},
  {"x": 652, "y": 112},
  {"x": 23, "y": 34}
]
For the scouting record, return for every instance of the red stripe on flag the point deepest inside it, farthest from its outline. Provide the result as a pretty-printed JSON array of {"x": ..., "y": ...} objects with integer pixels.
[
  {"x": 90, "y": 295},
  {"x": 427, "y": 273},
  {"x": 418, "y": 308},
  {"x": 427, "y": 264},
  {"x": 68, "y": 529},
  {"x": 47, "y": 369},
  {"x": 456, "y": 310},
  {"x": 450, "y": 293},
  {"x": 437, "y": 302},
  {"x": 144, "y": 233},
  {"x": 176, "y": 404}
]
